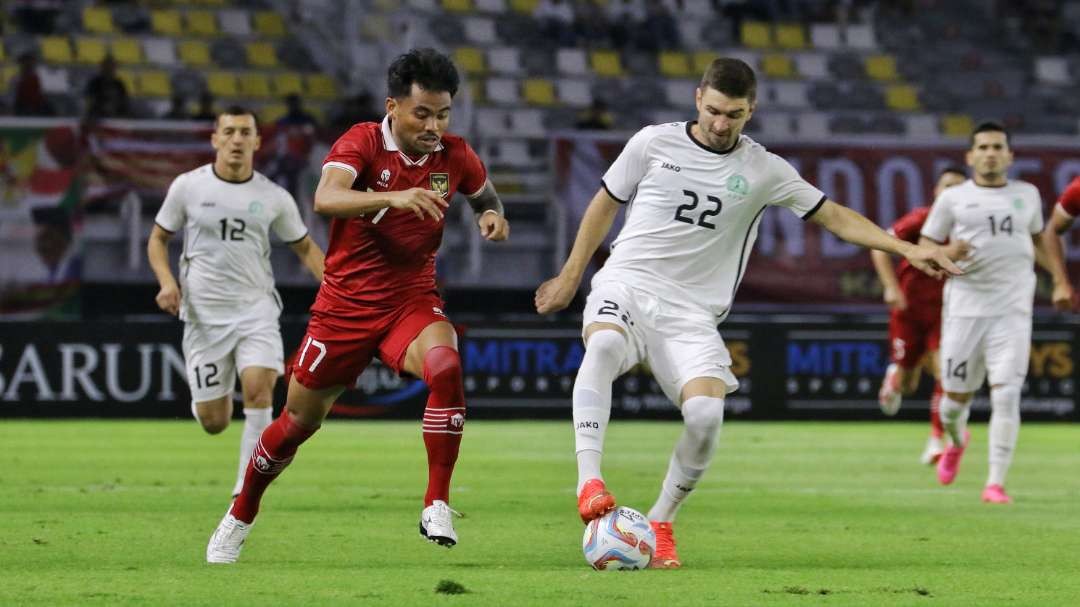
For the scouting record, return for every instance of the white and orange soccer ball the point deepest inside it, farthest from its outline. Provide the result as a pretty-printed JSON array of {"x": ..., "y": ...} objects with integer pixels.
[{"x": 621, "y": 539}]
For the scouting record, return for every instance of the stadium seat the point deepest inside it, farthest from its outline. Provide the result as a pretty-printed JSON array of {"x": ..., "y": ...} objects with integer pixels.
[
  {"x": 539, "y": 91},
  {"x": 222, "y": 84},
  {"x": 606, "y": 64},
  {"x": 269, "y": 24},
  {"x": 261, "y": 54},
  {"x": 702, "y": 61},
  {"x": 674, "y": 64},
  {"x": 812, "y": 125},
  {"x": 476, "y": 90},
  {"x": 201, "y": 23},
  {"x": 90, "y": 50},
  {"x": 527, "y": 123},
  {"x": 271, "y": 112},
  {"x": 375, "y": 27},
  {"x": 470, "y": 60},
  {"x": 957, "y": 125},
  {"x": 861, "y": 37},
  {"x": 572, "y": 62},
  {"x": 881, "y": 67},
  {"x": 480, "y": 31},
  {"x": 512, "y": 153},
  {"x": 458, "y": 6},
  {"x": 490, "y": 6},
  {"x": 504, "y": 60},
  {"x": 690, "y": 33},
  {"x": 777, "y": 66},
  {"x": 287, "y": 84},
  {"x": 97, "y": 20},
  {"x": 55, "y": 49},
  {"x": 128, "y": 78},
  {"x": 920, "y": 125},
  {"x": 1052, "y": 70},
  {"x": 429, "y": 6},
  {"x": 54, "y": 80},
  {"x": 902, "y": 97},
  {"x": 194, "y": 53},
  {"x": 255, "y": 84},
  {"x": 153, "y": 83},
  {"x": 825, "y": 36},
  {"x": 575, "y": 93},
  {"x": 166, "y": 22},
  {"x": 502, "y": 91},
  {"x": 127, "y": 50},
  {"x": 790, "y": 35},
  {"x": 680, "y": 93},
  {"x": 7, "y": 72},
  {"x": 235, "y": 22},
  {"x": 775, "y": 126},
  {"x": 321, "y": 86},
  {"x": 524, "y": 6},
  {"x": 791, "y": 93},
  {"x": 755, "y": 34}
]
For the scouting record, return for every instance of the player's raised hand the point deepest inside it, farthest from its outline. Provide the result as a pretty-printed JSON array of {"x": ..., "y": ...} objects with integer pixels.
[
  {"x": 932, "y": 261},
  {"x": 168, "y": 299},
  {"x": 420, "y": 201},
  {"x": 895, "y": 298},
  {"x": 494, "y": 226},
  {"x": 1062, "y": 297},
  {"x": 555, "y": 294}
]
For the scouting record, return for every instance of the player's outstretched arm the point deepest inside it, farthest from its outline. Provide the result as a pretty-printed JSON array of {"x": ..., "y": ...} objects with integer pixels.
[
  {"x": 490, "y": 215},
  {"x": 157, "y": 251},
  {"x": 891, "y": 292},
  {"x": 556, "y": 294},
  {"x": 856, "y": 229},
  {"x": 310, "y": 255},
  {"x": 334, "y": 197}
]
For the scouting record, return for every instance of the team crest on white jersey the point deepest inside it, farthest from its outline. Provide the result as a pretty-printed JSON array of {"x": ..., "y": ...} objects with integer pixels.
[
  {"x": 738, "y": 184},
  {"x": 384, "y": 178},
  {"x": 255, "y": 207}
]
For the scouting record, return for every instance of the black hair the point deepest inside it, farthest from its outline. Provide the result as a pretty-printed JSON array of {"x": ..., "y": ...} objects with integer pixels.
[
  {"x": 428, "y": 68},
  {"x": 953, "y": 168},
  {"x": 732, "y": 77},
  {"x": 238, "y": 110},
  {"x": 990, "y": 127}
]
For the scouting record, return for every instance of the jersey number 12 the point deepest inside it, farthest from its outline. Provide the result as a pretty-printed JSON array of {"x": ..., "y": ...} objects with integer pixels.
[{"x": 236, "y": 232}]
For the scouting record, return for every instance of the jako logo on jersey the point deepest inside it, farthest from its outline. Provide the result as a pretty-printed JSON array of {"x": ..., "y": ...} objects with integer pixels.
[
  {"x": 208, "y": 204},
  {"x": 738, "y": 184},
  {"x": 440, "y": 182},
  {"x": 438, "y": 311},
  {"x": 255, "y": 207},
  {"x": 384, "y": 178},
  {"x": 671, "y": 167}
]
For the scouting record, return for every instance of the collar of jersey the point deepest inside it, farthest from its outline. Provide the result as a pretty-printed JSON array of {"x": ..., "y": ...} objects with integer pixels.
[
  {"x": 690, "y": 136},
  {"x": 391, "y": 146}
]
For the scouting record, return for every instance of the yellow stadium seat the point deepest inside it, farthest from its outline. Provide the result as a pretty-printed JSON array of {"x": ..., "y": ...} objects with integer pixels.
[
  {"x": 201, "y": 23},
  {"x": 55, "y": 49},
  {"x": 288, "y": 83},
  {"x": 127, "y": 50},
  {"x": 166, "y": 22},
  {"x": 674, "y": 64},
  {"x": 153, "y": 83},
  {"x": 470, "y": 60},
  {"x": 790, "y": 35},
  {"x": 194, "y": 53},
  {"x": 2, "y": 55},
  {"x": 539, "y": 91},
  {"x": 321, "y": 86},
  {"x": 6, "y": 74},
  {"x": 778, "y": 66},
  {"x": 702, "y": 61},
  {"x": 270, "y": 112},
  {"x": 756, "y": 34},
  {"x": 458, "y": 6},
  {"x": 97, "y": 20},
  {"x": 376, "y": 27},
  {"x": 957, "y": 125},
  {"x": 269, "y": 24},
  {"x": 606, "y": 63},
  {"x": 261, "y": 54},
  {"x": 476, "y": 87},
  {"x": 90, "y": 50},
  {"x": 882, "y": 67},
  {"x": 128, "y": 79},
  {"x": 255, "y": 84},
  {"x": 902, "y": 97},
  {"x": 222, "y": 84},
  {"x": 524, "y": 6}
]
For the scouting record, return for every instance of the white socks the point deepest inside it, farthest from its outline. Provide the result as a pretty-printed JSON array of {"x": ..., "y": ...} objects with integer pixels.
[
  {"x": 604, "y": 356},
  {"x": 954, "y": 417},
  {"x": 255, "y": 421},
  {"x": 1004, "y": 428},
  {"x": 703, "y": 416}
]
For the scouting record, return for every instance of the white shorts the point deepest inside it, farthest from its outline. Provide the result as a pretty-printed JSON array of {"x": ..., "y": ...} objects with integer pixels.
[
  {"x": 215, "y": 354},
  {"x": 677, "y": 343},
  {"x": 973, "y": 348}
]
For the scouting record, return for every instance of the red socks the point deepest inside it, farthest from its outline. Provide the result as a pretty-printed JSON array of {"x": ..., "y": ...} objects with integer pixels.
[
  {"x": 444, "y": 419},
  {"x": 936, "y": 429},
  {"x": 272, "y": 454}
]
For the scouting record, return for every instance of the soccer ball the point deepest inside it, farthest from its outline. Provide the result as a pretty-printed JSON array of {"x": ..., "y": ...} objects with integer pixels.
[{"x": 621, "y": 539}]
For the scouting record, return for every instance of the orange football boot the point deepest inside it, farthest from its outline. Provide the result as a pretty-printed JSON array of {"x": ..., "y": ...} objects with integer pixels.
[
  {"x": 665, "y": 556},
  {"x": 594, "y": 501}
]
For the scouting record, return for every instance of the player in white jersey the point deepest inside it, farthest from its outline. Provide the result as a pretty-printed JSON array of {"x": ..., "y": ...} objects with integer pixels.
[
  {"x": 696, "y": 194},
  {"x": 226, "y": 296},
  {"x": 986, "y": 312}
]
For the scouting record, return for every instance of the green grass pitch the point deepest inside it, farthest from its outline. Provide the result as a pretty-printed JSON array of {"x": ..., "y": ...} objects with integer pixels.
[{"x": 119, "y": 512}]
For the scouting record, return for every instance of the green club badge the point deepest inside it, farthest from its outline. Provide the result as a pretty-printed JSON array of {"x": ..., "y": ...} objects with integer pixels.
[
  {"x": 738, "y": 184},
  {"x": 1018, "y": 203},
  {"x": 255, "y": 207}
]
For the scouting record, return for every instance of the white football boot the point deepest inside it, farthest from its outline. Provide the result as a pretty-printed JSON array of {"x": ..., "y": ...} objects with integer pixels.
[
  {"x": 889, "y": 396},
  {"x": 437, "y": 524},
  {"x": 228, "y": 538},
  {"x": 932, "y": 453}
]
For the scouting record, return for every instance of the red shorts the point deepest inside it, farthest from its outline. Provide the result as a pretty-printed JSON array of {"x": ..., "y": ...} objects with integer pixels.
[
  {"x": 336, "y": 348},
  {"x": 912, "y": 333}
]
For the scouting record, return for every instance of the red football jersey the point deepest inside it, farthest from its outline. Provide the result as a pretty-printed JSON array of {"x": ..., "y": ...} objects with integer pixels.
[
  {"x": 918, "y": 288},
  {"x": 1070, "y": 198},
  {"x": 383, "y": 257}
]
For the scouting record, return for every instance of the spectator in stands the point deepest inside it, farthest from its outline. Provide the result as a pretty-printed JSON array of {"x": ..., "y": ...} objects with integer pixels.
[
  {"x": 596, "y": 117},
  {"x": 353, "y": 110},
  {"x": 106, "y": 95},
  {"x": 29, "y": 95},
  {"x": 556, "y": 19},
  {"x": 625, "y": 16},
  {"x": 177, "y": 108},
  {"x": 37, "y": 16},
  {"x": 52, "y": 242},
  {"x": 294, "y": 139},
  {"x": 591, "y": 24},
  {"x": 658, "y": 30},
  {"x": 206, "y": 107}
]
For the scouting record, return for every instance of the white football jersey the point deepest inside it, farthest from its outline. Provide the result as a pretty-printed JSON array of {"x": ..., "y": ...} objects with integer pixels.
[
  {"x": 694, "y": 213},
  {"x": 225, "y": 267},
  {"x": 998, "y": 222}
]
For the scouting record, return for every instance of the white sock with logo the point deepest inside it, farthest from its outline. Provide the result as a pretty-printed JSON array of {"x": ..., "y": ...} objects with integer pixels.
[
  {"x": 703, "y": 417},
  {"x": 255, "y": 421},
  {"x": 1004, "y": 429},
  {"x": 604, "y": 356},
  {"x": 954, "y": 416}
]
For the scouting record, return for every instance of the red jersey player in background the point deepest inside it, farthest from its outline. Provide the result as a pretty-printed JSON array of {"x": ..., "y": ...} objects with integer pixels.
[
  {"x": 914, "y": 301},
  {"x": 1061, "y": 219},
  {"x": 387, "y": 187}
]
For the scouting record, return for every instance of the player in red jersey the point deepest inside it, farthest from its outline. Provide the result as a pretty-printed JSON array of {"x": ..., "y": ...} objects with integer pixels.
[
  {"x": 387, "y": 187},
  {"x": 1061, "y": 219},
  {"x": 914, "y": 301}
]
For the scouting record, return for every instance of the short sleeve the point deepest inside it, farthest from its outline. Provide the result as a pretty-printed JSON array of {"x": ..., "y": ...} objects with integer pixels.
[
  {"x": 939, "y": 222},
  {"x": 1036, "y": 224},
  {"x": 351, "y": 152},
  {"x": 1070, "y": 198},
  {"x": 622, "y": 177},
  {"x": 288, "y": 225},
  {"x": 171, "y": 215},
  {"x": 474, "y": 174},
  {"x": 908, "y": 227},
  {"x": 786, "y": 188}
]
